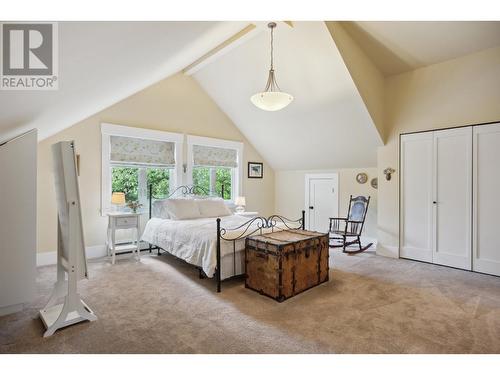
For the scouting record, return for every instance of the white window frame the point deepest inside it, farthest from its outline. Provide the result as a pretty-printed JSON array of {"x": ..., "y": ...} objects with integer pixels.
[
  {"x": 237, "y": 188},
  {"x": 107, "y": 130}
]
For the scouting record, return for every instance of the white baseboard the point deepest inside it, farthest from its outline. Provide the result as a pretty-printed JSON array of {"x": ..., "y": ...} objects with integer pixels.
[
  {"x": 49, "y": 258},
  {"x": 92, "y": 252},
  {"x": 367, "y": 240},
  {"x": 46, "y": 258},
  {"x": 6, "y": 310},
  {"x": 388, "y": 251}
]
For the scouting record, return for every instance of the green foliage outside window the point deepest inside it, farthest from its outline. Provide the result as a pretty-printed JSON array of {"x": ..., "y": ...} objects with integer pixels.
[
  {"x": 126, "y": 180},
  {"x": 159, "y": 178},
  {"x": 201, "y": 178},
  {"x": 223, "y": 177}
]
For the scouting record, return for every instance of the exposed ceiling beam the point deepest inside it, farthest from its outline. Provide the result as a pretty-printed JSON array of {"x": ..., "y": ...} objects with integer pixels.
[
  {"x": 244, "y": 34},
  {"x": 241, "y": 36}
]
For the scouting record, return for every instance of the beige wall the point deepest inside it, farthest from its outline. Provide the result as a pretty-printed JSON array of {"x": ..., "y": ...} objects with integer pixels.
[
  {"x": 457, "y": 92},
  {"x": 177, "y": 104},
  {"x": 290, "y": 193}
]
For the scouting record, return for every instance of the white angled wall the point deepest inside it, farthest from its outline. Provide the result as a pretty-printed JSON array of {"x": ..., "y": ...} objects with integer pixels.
[{"x": 18, "y": 172}]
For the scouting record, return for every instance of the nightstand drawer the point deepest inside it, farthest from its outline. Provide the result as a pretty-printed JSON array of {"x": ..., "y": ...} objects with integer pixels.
[{"x": 126, "y": 221}]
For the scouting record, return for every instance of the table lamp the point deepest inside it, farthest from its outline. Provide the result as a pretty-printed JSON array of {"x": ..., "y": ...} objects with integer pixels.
[
  {"x": 240, "y": 204},
  {"x": 118, "y": 199}
]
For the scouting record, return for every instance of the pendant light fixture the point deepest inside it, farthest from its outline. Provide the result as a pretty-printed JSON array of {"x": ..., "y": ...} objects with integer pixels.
[{"x": 272, "y": 98}]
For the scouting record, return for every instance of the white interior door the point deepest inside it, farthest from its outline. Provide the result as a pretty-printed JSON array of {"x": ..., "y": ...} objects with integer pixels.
[
  {"x": 416, "y": 196},
  {"x": 453, "y": 197},
  {"x": 322, "y": 200},
  {"x": 486, "y": 246}
]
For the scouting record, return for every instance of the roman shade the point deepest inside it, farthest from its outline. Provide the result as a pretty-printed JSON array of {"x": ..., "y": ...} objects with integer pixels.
[
  {"x": 142, "y": 151},
  {"x": 207, "y": 156}
]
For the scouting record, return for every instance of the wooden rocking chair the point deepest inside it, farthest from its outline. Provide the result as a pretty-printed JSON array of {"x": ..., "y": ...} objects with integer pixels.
[{"x": 341, "y": 229}]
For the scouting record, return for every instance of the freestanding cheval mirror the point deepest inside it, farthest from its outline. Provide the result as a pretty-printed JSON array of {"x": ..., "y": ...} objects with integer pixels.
[{"x": 71, "y": 258}]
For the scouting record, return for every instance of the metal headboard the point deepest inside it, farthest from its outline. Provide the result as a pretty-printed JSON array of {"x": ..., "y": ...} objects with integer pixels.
[{"x": 182, "y": 191}]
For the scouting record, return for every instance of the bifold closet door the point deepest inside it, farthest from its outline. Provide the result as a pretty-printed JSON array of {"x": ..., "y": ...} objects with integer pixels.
[
  {"x": 486, "y": 222},
  {"x": 452, "y": 197},
  {"x": 416, "y": 196}
]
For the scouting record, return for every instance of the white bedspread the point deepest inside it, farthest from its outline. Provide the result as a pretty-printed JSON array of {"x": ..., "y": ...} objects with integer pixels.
[{"x": 195, "y": 240}]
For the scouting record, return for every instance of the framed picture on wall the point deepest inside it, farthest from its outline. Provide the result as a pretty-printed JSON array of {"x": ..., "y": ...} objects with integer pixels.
[{"x": 255, "y": 170}]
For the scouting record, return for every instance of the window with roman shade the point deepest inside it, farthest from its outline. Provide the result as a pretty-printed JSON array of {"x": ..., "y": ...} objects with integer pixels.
[
  {"x": 137, "y": 159},
  {"x": 127, "y": 150},
  {"x": 215, "y": 165},
  {"x": 207, "y": 156}
]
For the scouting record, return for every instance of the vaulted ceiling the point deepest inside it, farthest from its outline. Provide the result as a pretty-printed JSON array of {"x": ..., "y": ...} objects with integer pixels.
[{"x": 327, "y": 125}]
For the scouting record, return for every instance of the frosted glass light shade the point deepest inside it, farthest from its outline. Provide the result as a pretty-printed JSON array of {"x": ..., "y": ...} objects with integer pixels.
[{"x": 271, "y": 100}]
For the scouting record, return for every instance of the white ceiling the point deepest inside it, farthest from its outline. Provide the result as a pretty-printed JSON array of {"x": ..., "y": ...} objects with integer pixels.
[
  {"x": 397, "y": 47},
  {"x": 326, "y": 126},
  {"x": 101, "y": 63}
]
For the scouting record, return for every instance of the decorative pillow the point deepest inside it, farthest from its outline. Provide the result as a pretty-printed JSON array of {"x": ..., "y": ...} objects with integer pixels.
[
  {"x": 182, "y": 209},
  {"x": 213, "y": 207},
  {"x": 159, "y": 209}
]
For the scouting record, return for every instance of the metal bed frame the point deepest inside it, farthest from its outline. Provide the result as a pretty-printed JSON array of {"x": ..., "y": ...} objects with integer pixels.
[{"x": 254, "y": 225}]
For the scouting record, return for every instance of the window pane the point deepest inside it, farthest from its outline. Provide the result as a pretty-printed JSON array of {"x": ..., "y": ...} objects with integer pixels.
[
  {"x": 223, "y": 177},
  {"x": 160, "y": 179},
  {"x": 201, "y": 179},
  {"x": 211, "y": 180},
  {"x": 125, "y": 180}
]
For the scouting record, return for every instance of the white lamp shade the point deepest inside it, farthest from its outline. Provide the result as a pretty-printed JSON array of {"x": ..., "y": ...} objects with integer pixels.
[
  {"x": 240, "y": 201},
  {"x": 271, "y": 100},
  {"x": 118, "y": 198}
]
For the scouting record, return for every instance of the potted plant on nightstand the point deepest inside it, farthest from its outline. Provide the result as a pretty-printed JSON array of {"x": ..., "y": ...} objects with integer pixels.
[{"x": 134, "y": 206}]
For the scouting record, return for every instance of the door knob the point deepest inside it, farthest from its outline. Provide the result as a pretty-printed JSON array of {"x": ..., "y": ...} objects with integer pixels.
[
  {"x": 434, "y": 202},
  {"x": 311, "y": 207}
]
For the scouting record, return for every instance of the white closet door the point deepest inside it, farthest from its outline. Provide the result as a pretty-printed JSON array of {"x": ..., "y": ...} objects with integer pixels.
[
  {"x": 453, "y": 197},
  {"x": 486, "y": 245},
  {"x": 416, "y": 196}
]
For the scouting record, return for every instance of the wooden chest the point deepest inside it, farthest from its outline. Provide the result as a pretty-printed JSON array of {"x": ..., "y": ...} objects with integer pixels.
[{"x": 285, "y": 263}]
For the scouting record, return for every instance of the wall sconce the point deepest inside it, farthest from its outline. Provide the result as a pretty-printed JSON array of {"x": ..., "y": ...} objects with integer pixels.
[{"x": 388, "y": 172}]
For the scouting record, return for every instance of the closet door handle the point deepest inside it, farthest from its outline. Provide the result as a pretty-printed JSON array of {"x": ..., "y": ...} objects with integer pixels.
[
  {"x": 311, "y": 207},
  {"x": 434, "y": 202}
]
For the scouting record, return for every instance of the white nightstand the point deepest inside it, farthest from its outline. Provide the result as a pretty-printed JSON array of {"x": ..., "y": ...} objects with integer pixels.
[
  {"x": 247, "y": 213},
  {"x": 123, "y": 220}
]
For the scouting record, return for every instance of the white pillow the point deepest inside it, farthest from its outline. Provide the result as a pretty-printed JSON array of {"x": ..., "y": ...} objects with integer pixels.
[
  {"x": 213, "y": 208},
  {"x": 159, "y": 209},
  {"x": 182, "y": 209}
]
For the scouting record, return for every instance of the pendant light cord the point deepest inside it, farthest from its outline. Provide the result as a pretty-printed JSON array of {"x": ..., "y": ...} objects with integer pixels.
[
  {"x": 272, "y": 85},
  {"x": 272, "y": 48}
]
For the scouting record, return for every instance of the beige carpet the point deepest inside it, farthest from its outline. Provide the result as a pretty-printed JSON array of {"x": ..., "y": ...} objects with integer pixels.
[{"x": 371, "y": 305}]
